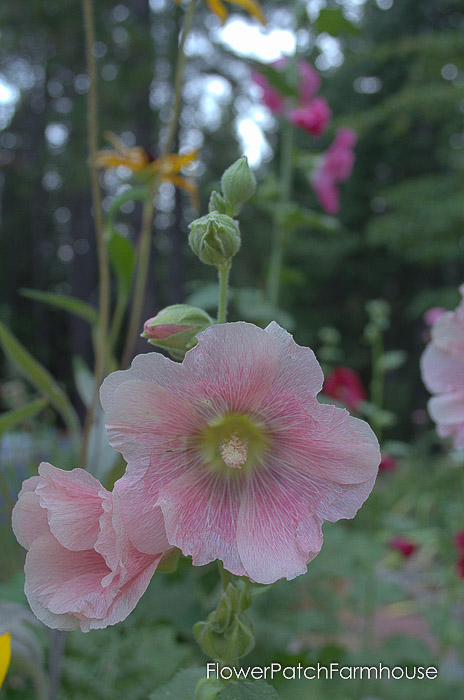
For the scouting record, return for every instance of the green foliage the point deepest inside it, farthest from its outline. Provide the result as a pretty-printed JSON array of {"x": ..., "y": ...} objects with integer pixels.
[
  {"x": 181, "y": 687},
  {"x": 122, "y": 257},
  {"x": 249, "y": 690},
  {"x": 11, "y": 419},
  {"x": 333, "y": 22},
  {"x": 61, "y": 301}
]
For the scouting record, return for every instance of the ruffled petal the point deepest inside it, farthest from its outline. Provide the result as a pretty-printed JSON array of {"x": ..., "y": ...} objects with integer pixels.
[{"x": 29, "y": 519}]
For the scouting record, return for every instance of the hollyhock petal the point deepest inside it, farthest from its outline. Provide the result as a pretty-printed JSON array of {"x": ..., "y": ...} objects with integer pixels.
[
  {"x": 440, "y": 371},
  {"x": 143, "y": 415},
  {"x": 298, "y": 370},
  {"x": 29, "y": 519},
  {"x": 63, "y": 622},
  {"x": 448, "y": 334},
  {"x": 273, "y": 542},
  {"x": 314, "y": 117},
  {"x": 200, "y": 513},
  {"x": 447, "y": 409},
  {"x": 235, "y": 365},
  {"x": 326, "y": 191},
  {"x": 73, "y": 503},
  {"x": 143, "y": 520},
  {"x": 347, "y": 502},
  {"x": 432, "y": 315}
]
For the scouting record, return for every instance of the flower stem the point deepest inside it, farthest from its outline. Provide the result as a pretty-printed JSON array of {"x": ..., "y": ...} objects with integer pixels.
[
  {"x": 143, "y": 257},
  {"x": 179, "y": 79},
  {"x": 143, "y": 264},
  {"x": 223, "y": 271},
  {"x": 285, "y": 185},
  {"x": 103, "y": 264}
]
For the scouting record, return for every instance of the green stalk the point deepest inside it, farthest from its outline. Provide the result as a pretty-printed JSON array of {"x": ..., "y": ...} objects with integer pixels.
[
  {"x": 223, "y": 271},
  {"x": 278, "y": 242},
  {"x": 179, "y": 79},
  {"x": 103, "y": 263},
  {"x": 143, "y": 256}
]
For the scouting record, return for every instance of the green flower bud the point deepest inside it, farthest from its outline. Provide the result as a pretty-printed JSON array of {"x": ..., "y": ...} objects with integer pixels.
[
  {"x": 227, "y": 633},
  {"x": 175, "y": 327},
  {"x": 217, "y": 203},
  {"x": 238, "y": 184},
  {"x": 215, "y": 238}
]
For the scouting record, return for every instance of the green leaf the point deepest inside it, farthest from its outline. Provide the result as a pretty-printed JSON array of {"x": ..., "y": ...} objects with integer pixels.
[
  {"x": 181, "y": 687},
  {"x": 41, "y": 379},
  {"x": 334, "y": 22},
  {"x": 10, "y": 419},
  {"x": 122, "y": 257},
  {"x": 74, "y": 306},
  {"x": 249, "y": 690}
]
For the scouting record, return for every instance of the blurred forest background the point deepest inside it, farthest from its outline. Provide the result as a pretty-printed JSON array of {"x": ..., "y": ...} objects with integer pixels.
[{"x": 393, "y": 70}]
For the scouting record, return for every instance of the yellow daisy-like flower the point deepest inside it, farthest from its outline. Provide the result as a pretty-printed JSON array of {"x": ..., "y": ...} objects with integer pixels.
[
  {"x": 167, "y": 168},
  {"x": 219, "y": 9},
  {"x": 5, "y": 656}
]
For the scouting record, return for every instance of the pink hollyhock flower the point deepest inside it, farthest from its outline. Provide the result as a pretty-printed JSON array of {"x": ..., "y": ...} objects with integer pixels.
[
  {"x": 81, "y": 569},
  {"x": 313, "y": 117},
  {"x": 403, "y": 545},
  {"x": 232, "y": 448},
  {"x": 345, "y": 385},
  {"x": 335, "y": 165},
  {"x": 432, "y": 315},
  {"x": 388, "y": 463},
  {"x": 442, "y": 367},
  {"x": 271, "y": 97},
  {"x": 310, "y": 81}
]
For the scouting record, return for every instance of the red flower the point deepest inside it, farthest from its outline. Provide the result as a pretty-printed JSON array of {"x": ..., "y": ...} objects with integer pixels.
[
  {"x": 344, "y": 384},
  {"x": 459, "y": 541},
  {"x": 461, "y": 567},
  {"x": 388, "y": 463},
  {"x": 403, "y": 545}
]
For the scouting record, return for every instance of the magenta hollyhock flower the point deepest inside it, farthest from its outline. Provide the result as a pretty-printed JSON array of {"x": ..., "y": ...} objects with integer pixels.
[
  {"x": 313, "y": 117},
  {"x": 310, "y": 81},
  {"x": 459, "y": 541},
  {"x": 345, "y": 385},
  {"x": 403, "y": 545},
  {"x": 387, "y": 463},
  {"x": 233, "y": 449},
  {"x": 442, "y": 367},
  {"x": 81, "y": 568},
  {"x": 335, "y": 166},
  {"x": 271, "y": 97}
]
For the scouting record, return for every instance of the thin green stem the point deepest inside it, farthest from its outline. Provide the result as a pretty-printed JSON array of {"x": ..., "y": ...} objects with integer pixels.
[
  {"x": 278, "y": 242},
  {"x": 116, "y": 324},
  {"x": 378, "y": 381},
  {"x": 223, "y": 271},
  {"x": 226, "y": 576},
  {"x": 179, "y": 79},
  {"x": 143, "y": 265},
  {"x": 103, "y": 263}
]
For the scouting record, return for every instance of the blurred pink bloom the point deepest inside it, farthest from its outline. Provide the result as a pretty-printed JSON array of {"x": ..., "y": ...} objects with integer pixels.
[
  {"x": 345, "y": 385},
  {"x": 432, "y": 315},
  {"x": 335, "y": 165},
  {"x": 461, "y": 567},
  {"x": 81, "y": 569},
  {"x": 271, "y": 97},
  {"x": 235, "y": 450},
  {"x": 310, "y": 81},
  {"x": 459, "y": 541},
  {"x": 442, "y": 366},
  {"x": 403, "y": 545},
  {"x": 313, "y": 117},
  {"x": 388, "y": 463}
]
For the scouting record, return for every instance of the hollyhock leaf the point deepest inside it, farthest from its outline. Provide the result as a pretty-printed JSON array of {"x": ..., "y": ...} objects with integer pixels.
[
  {"x": 249, "y": 690},
  {"x": 122, "y": 257},
  {"x": 181, "y": 686},
  {"x": 334, "y": 22},
  {"x": 10, "y": 419},
  {"x": 66, "y": 303}
]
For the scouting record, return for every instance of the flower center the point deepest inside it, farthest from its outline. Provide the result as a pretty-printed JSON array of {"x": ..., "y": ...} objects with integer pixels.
[
  {"x": 233, "y": 442},
  {"x": 234, "y": 451}
]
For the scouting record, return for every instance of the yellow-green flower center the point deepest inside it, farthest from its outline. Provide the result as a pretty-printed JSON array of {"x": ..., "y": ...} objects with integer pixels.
[{"x": 233, "y": 441}]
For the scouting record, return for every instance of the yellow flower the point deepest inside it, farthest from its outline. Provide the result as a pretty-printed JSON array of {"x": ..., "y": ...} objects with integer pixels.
[
  {"x": 167, "y": 167},
  {"x": 219, "y": 9},
  {"x": 5, "y": 656}
]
